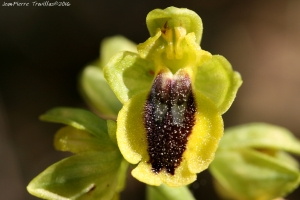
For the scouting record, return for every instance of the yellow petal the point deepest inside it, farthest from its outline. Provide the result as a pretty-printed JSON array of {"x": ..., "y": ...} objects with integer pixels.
[
  {"x": 131, "y": 134},
  {"x": 206, "y": 134}
]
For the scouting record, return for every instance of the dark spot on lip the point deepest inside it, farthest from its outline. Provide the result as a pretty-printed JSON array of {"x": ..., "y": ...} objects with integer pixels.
[
  {"x": 169, "y": 118},
  {"x": 151, "y": 72},
  {"x": 93, "y": 187},
  {"x": 163, "y": 30}
]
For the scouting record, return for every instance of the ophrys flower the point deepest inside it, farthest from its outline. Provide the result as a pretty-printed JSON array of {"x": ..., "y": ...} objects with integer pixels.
[{"x": 173, "y": 95}]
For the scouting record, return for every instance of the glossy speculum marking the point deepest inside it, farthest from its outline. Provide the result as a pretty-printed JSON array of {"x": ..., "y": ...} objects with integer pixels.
[{"x": 169, "y": 116}]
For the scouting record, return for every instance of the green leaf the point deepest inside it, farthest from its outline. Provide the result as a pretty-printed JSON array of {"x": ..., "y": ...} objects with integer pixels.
[
  {"x": 79, "y": 119},
  {"x": 89, "y": 175},
  {"x": 112, "y": 130},
  {"x": 74, "y": 140},
  {"x": 216, "y": 80},
  {"x": 97, "y": 92},
  {"x": 128, "y": 74},
  {"x": 260, "y": 136},
  {"x": 175, "y": 17},
  {"x": 122, "y": 175},
  {"x": 163, "y": 192},
  {"x": 251, "y": 175}
]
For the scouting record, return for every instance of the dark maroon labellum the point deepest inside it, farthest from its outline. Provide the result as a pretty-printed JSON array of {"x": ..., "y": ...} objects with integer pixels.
[{"x": 169, "y": 116}]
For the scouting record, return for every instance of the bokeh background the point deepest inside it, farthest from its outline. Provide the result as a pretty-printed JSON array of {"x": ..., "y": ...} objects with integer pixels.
[{"x": 43, "y": 50}]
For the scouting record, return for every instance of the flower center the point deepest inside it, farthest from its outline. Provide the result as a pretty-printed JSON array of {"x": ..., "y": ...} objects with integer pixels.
[
  {"x": 173, "y": 37},
  {"x": 169, "y": 118}
]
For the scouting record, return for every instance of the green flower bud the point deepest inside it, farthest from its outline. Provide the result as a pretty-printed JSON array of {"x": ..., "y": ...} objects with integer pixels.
[
  {"x": 251, "y": 162},
  {"x": 93, "y": 85}
]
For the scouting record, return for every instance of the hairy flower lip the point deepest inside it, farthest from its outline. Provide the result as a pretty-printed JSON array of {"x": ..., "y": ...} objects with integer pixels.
[
  {"x": 200, "y": 147},
  {"x": 168, "y": 119}
]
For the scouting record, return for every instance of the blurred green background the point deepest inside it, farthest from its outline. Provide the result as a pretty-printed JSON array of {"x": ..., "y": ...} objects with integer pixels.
[{"x": 43, "y": 50}]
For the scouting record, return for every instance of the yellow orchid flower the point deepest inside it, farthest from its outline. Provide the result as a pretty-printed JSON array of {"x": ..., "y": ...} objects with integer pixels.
[{"x": 173, "y": 94}]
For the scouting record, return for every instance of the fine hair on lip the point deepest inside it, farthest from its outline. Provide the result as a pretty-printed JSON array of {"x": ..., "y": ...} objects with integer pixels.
[{"x": 169, "y": 118}]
